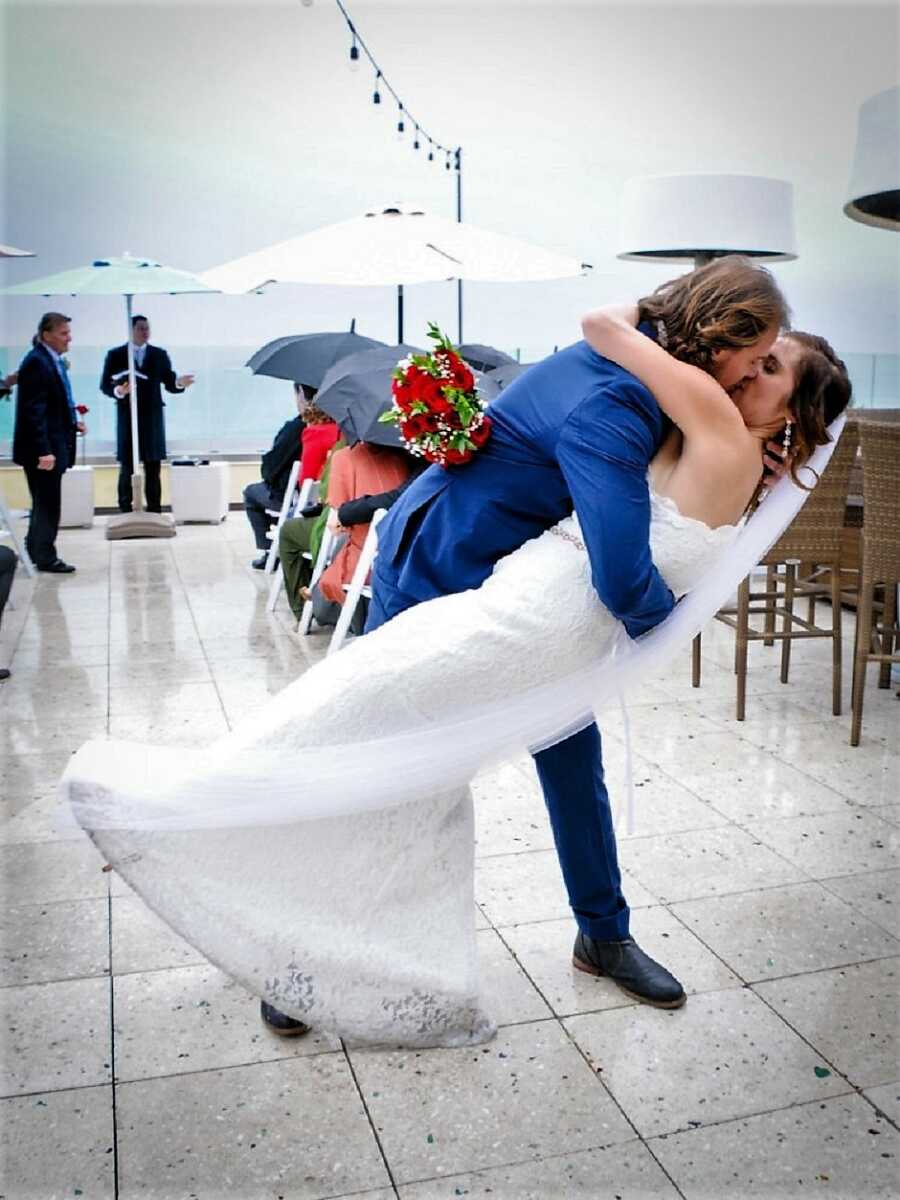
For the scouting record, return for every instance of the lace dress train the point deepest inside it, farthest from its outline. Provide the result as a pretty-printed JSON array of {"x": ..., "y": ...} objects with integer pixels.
[{"x": 358, "y": 919}]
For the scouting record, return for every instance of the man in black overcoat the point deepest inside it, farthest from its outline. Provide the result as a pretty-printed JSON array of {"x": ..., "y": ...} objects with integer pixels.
[
  {"x": 44, "y": 436},
  {"x": 153, "y": 372}
]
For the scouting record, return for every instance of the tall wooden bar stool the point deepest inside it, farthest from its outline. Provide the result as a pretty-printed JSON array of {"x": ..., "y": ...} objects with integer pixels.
[
  {"x": 877, "y": 629},
  {"x": 804, "y": 562}
]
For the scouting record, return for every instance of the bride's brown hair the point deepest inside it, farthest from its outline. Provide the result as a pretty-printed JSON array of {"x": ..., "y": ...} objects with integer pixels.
[
  {"x": 728, "y": 304},
  {"x": 822, "y": 390}
]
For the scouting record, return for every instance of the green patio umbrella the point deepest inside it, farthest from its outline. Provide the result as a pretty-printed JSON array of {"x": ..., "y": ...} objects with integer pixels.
[{"x": 127, "y": 276}]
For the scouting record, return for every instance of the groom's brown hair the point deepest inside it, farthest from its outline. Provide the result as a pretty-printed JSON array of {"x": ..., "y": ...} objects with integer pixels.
[{"x": 729, "y": 303}]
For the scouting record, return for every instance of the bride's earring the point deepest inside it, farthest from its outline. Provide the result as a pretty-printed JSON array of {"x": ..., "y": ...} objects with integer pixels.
[{"x": 786, "y": 443}]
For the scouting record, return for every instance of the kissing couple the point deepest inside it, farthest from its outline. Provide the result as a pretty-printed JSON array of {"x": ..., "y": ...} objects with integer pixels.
[{"x": 322, "y": 853}]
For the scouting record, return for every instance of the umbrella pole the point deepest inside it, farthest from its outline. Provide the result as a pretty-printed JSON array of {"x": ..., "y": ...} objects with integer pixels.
[
  {"x": 459, "y": 286},
  {"x": 137, "y": 491},
  {"x": 399, "y": 313}
]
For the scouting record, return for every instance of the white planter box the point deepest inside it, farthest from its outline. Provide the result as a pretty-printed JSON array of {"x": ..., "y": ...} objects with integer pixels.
[
  {"x": 199, "y": 493},
  {"x": 77, "y": 498}
]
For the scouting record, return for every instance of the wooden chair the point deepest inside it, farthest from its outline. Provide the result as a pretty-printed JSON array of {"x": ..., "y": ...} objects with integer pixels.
[
  {"x": 877, "y": 633},
  {"x": 358, "y": 587},
  {"x": 812, "y": 543}
]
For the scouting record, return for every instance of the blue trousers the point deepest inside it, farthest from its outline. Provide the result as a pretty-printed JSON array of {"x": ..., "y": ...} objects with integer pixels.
[{"x": 571, "y": 775}]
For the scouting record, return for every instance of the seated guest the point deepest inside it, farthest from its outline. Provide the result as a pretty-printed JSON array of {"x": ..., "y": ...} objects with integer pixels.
[
  {"x": 360, "y": 470},
  {"x": 361, "y": 510},
  {"x": 316, "y": 441},
  {"x": 275, "y": 470},
  {"x": 8, "y": 563},
  {"x": 301, "y": 537}
]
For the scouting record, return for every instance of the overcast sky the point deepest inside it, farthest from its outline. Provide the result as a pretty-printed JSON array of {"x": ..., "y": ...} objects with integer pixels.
[{"x": 199, "y": 132}]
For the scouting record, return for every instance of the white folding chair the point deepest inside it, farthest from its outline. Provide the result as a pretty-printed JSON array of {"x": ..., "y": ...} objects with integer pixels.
[
  {"x": 357, "y": 587},
  {"x": 322, "y": 560},
  {"x": 307, "y": 494},
  {"x": 8, "y": 528},
  {"x": 287, "y": 505}
]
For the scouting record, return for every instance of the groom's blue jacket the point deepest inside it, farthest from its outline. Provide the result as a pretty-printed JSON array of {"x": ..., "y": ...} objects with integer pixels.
[{"x": 575, "y": 430}]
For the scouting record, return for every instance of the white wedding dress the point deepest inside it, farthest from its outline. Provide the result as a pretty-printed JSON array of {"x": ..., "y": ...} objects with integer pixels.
[{"x": 357, "y": 916}]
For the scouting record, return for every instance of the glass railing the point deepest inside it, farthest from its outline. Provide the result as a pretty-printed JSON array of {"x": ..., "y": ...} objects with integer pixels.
[{"x": 230, "y": 411}]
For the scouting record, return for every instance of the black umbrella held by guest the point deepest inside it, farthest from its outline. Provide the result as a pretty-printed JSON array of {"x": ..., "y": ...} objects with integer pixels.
[
  {"x": 504, "y": 375},
  {"x": 307, "y": 357},
  {"x": 483, "y": 358},
  {"x": 357, "y": 390}
]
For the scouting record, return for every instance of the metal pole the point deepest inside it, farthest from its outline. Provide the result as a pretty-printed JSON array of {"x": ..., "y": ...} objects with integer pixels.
[
  {"x": 459, "y": 286},
  {"x": 137, "y": 491},
  {"x": 399, "y": 313}
]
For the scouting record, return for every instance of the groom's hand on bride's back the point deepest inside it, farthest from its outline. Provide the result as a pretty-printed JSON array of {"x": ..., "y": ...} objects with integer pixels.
[{"x": 774, "y": 465}]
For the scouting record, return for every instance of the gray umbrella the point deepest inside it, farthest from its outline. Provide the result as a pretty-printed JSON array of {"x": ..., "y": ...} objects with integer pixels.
[
  {"x": 357, "y": 390},
  {"x": 307, "y": 357},
  {"x": 507, "y": 373},
  {"x": 483, "y": 358}
]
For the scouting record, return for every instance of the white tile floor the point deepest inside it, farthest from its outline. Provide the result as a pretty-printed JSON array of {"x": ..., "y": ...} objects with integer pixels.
[{"x": 763, "y": 870}]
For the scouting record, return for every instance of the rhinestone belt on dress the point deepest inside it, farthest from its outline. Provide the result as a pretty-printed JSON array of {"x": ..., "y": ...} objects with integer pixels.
[{"x": 568, "y": 537}]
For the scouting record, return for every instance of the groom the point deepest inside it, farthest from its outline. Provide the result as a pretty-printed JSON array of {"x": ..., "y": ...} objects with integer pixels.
[{"x": 576, "y": 430}]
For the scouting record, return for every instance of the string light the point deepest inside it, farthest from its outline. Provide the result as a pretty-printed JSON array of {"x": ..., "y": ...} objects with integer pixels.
[{"x": 358, "y": 48}]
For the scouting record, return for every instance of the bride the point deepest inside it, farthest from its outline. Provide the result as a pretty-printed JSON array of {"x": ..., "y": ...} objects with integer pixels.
[{"x": 322, "y": 854}]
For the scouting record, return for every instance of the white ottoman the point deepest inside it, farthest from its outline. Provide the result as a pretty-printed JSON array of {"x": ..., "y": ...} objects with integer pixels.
[
  {"x": 199, "y": 493},
  {"x": 77, "y": 498}
]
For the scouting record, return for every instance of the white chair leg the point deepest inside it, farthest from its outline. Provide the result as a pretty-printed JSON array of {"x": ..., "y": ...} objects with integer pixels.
[
  {"x": 278, "y": 580},
  {"x": 286, "y": 503},
  {"x": 357, "y": 583},
  {"x": 7, "y": 520},
  {"x": 322, "y": 559},
  {"x": 274, "y": 591}
]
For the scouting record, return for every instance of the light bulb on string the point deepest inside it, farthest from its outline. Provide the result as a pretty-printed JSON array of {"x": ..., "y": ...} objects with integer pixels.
[
  {"x": 430, "y": 150},
  {"x": 416, "y": 139},
  {"x": 354, "y": 55},
  {"x": 401, "y": 125},
  {"x": 447, "y": 163},
  {"x": 376, "y": 95}
]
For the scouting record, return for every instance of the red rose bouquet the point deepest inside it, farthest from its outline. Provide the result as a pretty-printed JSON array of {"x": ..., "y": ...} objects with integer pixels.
[
  {"x": 82, "y": 410},
  {"x": 436, "y": 405}
]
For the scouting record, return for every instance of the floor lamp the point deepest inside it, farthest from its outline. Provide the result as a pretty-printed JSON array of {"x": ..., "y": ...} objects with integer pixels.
[
  {"x": 701, "y": 217},
  {"x": 875, "y": 182}
]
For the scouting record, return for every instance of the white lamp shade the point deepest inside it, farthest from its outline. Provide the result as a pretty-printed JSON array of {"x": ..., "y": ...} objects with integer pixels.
[
  {"x": 875, "y": 182},
  {"x": 673, "y": 217}
]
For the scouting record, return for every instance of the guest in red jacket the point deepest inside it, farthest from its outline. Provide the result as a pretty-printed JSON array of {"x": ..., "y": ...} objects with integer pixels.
[{"x": 316, "y": 439}]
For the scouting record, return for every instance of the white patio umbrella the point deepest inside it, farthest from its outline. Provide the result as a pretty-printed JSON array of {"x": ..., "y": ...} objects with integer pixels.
[
  {"x": 127, "y": 276},
  {"x": 14, "y": 252},
  {"x": 394, "y": 246}
]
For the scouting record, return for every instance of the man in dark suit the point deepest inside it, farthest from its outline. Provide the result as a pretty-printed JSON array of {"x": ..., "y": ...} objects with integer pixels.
[
  {"x": 44, "y": 435},
  {"x": 153, "y": 371}
]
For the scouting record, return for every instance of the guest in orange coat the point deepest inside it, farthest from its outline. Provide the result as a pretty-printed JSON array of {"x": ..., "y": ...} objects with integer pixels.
[{"x": 358, "y": 470}]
